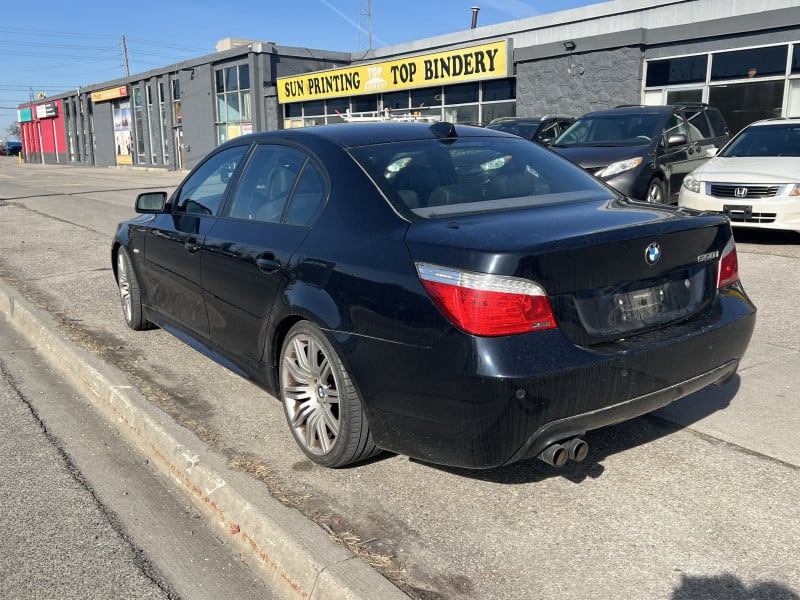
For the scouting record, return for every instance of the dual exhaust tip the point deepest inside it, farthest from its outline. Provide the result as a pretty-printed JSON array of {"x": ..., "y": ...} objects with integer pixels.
[{"x": 556, "y": 455}]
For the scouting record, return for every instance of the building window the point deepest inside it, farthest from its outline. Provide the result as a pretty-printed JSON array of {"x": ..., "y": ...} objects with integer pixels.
[
  {"x": 138, "y": 120},
  {"x": 395, "y": 100},
  {"x": 234, "y": 115},
  {"x": 499, "y": 89},
  {"x": 362, "y": 104},
  {"x": 162, "y": 119},
  {"x": 177, "y": 116},
  {"x": 750, "y": 63},
  {"x": 154, "y": 126},
  {"x": 677, "y": 71}
]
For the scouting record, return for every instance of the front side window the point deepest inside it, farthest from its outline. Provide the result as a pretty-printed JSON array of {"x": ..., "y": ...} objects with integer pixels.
[{"x": 203, "y": 191}]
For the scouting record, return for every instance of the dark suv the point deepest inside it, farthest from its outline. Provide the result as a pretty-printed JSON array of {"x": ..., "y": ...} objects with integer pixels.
[
  {"x": 644, "y": 151},
  {"x": 542, "y": 130}
]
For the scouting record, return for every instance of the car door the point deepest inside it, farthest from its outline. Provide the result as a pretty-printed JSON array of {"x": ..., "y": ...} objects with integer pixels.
[
  {"x": 247, "y": 252},
  {"x": 174, "y": 239}
]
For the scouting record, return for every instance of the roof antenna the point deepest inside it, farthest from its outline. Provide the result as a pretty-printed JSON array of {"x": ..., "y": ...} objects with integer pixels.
[{"x": 443, "y": 130}]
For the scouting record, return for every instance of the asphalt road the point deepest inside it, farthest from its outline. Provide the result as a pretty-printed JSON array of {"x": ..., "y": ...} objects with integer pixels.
[{"x": 699, "y": 502}]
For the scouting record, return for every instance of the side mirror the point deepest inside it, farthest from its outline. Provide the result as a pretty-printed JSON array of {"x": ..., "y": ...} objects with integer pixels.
[
  {"x": 546, "y": 141},
  {"x": 677, "y": 139},
  {"x": 151, "y": 202},
  {"x": 711, "y": 152}
]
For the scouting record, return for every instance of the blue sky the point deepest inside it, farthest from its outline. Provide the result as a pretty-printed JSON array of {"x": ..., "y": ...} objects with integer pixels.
[{"x": 54, "y": 46}]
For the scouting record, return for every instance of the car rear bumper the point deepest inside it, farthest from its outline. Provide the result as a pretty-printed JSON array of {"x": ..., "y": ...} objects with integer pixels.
[{"x": 523, "y": 393}]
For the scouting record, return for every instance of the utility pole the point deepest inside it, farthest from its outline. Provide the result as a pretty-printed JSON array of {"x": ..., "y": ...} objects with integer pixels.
[
  {"x": 125, "y": 56},
  {"x": 365, "y": 14}
]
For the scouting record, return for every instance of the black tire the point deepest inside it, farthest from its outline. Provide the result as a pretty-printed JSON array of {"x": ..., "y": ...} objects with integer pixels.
[
  {"x": 321, "y": 404},
  {"x": 656, "y": 192},
  {"x": 130, "y": 293}
]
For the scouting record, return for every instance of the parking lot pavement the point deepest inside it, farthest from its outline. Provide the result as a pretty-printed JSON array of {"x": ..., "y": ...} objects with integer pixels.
[{"x": 705, "y": 508}]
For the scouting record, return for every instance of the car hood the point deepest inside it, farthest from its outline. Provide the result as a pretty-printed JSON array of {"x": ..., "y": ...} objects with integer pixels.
[
  {"x": 569, "y": 247},
  {"x": 594, "y": 157},
  {"x": 751, "y": 169}
]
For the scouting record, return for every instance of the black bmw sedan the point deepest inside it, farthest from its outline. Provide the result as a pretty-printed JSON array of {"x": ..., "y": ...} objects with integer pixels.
[{"x": 446, "y": 292}]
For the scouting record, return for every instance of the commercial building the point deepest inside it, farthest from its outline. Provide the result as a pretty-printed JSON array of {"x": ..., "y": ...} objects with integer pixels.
[{"x": 739, "y": 56}]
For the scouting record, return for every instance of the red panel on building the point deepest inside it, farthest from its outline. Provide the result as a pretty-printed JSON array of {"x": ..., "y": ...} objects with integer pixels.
[{"x": 44, "y": 136}]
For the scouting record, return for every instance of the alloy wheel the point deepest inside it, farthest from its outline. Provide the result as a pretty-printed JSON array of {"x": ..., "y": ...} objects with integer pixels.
[{"x": 310, "y": 394}]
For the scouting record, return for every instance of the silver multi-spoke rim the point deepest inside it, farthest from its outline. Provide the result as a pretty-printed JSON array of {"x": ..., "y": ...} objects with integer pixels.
[
  {"x": 124, "y": 287},
  {"x": 310, "y": 394},
  {"x": 655, "y": 194}
]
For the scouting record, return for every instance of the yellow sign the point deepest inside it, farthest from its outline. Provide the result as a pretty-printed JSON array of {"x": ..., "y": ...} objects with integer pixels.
[
  {"x": 486, "y": 61},
  {"x": 110, "y": 94}
]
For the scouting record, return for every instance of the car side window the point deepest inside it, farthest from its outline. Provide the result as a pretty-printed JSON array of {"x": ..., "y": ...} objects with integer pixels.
[
  {"x": 309, "y": 194},
  {"x": 549, "y": 131},
  {"x": 203, "y": 191},
  {"x": 718, "y": 125},
  {"x": 699, "y": 128},
  {"x": 266, "y": 184},
  {"x": 675, "y": 126}
]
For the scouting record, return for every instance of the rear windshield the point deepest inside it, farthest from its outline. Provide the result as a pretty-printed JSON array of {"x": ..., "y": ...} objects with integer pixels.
[
  {"x": 441, "y": 178},
  {"x": 765, "y": 140},
  {"x": 611, "y": 130}
]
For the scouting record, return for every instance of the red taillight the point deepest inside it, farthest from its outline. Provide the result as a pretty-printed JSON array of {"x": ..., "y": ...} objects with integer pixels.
[
  {"x": 487, "y": 305},
  {"x": 728, "y": 265}
]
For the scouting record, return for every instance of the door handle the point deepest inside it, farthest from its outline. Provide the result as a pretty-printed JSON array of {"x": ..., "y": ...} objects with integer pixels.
[
  {"x": 191, "y": 245},
  {"x": 268, "y": 263}
]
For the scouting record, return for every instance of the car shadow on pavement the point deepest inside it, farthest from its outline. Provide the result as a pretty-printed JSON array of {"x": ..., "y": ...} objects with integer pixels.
[
  {"x": 765, "y": 237},
  {"x": 731, "y": 588},
  {"x": 611, "y": 440}
]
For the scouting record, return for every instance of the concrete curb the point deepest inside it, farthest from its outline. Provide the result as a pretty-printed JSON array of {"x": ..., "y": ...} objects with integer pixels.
[{"x": 298, "y": 557}]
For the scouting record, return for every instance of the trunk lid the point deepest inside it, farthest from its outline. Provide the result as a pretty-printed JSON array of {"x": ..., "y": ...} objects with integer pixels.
[{"x": 592, "y": 259}]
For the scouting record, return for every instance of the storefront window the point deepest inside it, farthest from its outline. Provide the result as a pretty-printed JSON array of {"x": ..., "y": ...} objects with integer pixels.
[
  {"x": 426, "y": 97},
  {"x": 499, "y": 89},
  {"x": 232, "y": 86},
  {"x": 362, "y": 104},
  {"x": 497, "y": 110},
  {"x": 750, "y": 63},
  {"x": 395, "y": 100},
  {"x": 743, "y": 103},
  {"x": 315, "y": 107},
  {"x": 461, "y": 93}
]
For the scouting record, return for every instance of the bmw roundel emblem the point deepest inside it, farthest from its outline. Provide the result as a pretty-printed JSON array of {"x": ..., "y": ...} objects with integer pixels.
[{"x": 652, "y": 253}]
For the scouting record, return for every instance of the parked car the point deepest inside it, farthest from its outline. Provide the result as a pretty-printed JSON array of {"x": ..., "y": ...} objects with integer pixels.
[
  {"x": 542, "y": 130},
  {"x": 451, "y": 293},
  {"x": 754, "y": 180},
  {"x": 13, "y": 148},
  {"x": 644, "y": 151}
]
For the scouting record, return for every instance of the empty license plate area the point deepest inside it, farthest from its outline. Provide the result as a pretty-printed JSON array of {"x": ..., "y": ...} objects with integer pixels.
[
  {"x": 620, "y": 310},
  {"x": 641, "y": 305}
]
